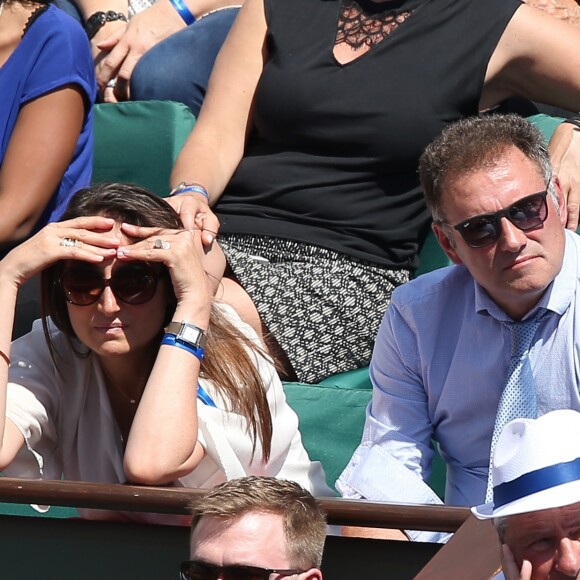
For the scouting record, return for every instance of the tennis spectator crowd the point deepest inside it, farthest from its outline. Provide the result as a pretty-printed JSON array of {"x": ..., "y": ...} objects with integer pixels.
[{"x": 290, "y": 250}]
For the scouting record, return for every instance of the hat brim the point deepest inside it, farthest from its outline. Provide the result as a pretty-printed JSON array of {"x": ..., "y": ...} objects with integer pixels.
[{"x": 558, "y": 496}]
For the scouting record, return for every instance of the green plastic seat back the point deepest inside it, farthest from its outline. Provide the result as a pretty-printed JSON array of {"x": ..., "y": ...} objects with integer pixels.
[
  {"x": 332, "y": 416},
  {"x": 138, "y": 142}
]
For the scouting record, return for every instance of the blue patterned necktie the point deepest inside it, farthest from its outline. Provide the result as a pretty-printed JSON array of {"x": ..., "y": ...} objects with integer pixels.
[{"x": 518, "y": 398}]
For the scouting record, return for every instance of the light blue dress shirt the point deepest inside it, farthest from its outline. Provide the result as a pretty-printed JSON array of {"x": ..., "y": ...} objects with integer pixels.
[{"x": 439, "y": 365}]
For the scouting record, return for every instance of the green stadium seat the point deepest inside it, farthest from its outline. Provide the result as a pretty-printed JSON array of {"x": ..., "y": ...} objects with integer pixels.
[{"x": 138, "y": 142}]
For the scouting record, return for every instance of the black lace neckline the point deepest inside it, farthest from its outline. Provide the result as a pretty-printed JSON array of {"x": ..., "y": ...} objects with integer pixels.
[
  {"x": 366, "y": 23},
  {"x": 33, "y": 17}
]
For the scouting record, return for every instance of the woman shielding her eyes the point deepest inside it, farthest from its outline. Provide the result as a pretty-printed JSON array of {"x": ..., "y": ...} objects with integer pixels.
[{"x": 135, "y": 374}]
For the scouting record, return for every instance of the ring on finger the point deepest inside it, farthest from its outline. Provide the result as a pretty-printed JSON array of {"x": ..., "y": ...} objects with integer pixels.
[
  {"x": 112, "y": 83},
  {"x": 68, "y": 242},
  {"x": 161, "y": 245}
]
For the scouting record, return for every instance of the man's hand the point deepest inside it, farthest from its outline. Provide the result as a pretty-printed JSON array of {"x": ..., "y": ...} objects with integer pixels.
[
  {"x": 510, "y": 566},
  {"x": 565, "y": 154}
]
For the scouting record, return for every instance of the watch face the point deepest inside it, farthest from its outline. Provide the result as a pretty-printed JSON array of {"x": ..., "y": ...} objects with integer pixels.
[{"x": 190, "y": 334}]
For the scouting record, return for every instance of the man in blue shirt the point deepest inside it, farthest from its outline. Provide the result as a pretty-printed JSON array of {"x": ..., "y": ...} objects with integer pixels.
[{"x": 442, "y": 354}]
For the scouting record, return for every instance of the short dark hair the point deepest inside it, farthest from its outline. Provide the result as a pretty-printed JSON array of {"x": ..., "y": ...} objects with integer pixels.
[
  {"x": 473, "y": 144},
  {"x": 304, "y": 520}
]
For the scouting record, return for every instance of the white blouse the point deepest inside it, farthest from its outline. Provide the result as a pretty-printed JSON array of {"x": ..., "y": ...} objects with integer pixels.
[{"x": 63, "y": 412}]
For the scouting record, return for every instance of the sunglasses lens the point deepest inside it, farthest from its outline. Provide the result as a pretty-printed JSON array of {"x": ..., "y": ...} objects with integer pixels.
[
  {"x": 134, "y": 284},
  {"x": 481, "y": 231},
  {"x": 198, "y": 571},
  {"x": 242, "y": 573},
  {"x": 529, "y": 212},
  {"x": 202, "y": 571},
  {"x": 82, "y": 286}
]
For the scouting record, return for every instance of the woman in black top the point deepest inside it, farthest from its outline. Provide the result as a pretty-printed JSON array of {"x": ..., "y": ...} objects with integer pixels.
[{"x": 308, "y": 144}]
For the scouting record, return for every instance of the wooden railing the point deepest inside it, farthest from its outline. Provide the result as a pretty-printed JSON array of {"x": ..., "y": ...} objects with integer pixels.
[
  {"x": 147, "y": 552},
  {"x": 177, "y": 501}
]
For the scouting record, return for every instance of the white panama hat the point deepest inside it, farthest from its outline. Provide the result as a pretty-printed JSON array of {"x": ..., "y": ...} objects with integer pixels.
[{"x": 536, "y": 465}]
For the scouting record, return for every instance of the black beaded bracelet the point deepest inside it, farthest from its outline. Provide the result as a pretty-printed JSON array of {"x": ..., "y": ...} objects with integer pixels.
[
  {"x": 97, "y": 20},
  {"x": 573, "y": 121}
]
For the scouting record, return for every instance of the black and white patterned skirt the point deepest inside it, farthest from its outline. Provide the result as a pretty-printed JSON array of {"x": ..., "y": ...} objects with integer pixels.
[{"x": 322, "y": 307}]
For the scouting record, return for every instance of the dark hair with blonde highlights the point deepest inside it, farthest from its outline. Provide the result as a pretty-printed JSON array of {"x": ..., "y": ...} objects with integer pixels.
[
  {"x": 228, "y": 361},
  {"x": 304, "y": 520}
]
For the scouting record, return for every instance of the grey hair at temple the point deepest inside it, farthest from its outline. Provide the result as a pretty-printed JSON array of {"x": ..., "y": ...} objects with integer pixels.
[{"x": 475, "y": 144}]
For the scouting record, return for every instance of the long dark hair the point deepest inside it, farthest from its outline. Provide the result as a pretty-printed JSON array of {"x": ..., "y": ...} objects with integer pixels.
[{"x": 228, "y": 356}]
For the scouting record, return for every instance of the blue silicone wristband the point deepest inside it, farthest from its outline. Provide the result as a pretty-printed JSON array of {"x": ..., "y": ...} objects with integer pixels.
[
  {"x": 183, "y": 11},
  {"x": 171, "y": 340},
  {"x": 196, "y": 189}
]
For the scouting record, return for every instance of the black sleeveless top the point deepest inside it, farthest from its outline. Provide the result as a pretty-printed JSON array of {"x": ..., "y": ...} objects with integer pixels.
[{"x": 332, "y": 159}]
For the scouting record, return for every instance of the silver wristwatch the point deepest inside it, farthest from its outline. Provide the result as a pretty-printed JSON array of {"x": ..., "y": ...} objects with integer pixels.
[
  {"x": 177, "y": 189},
  {"x": 187, "y": 333}
]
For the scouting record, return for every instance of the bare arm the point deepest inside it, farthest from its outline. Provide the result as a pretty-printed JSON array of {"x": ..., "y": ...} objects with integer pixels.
[
  {"x": 22, "y": 263},
  {"x": 216, "y": 144},
  {"x": 118, "y": 46},
  {"x": 162, "y": 444},
  {"x": 12, "y": 439},
  {"x": 108, "y": 35},
  {"x": 40, "y": 150},
  {"x": 538, "y": 58}
]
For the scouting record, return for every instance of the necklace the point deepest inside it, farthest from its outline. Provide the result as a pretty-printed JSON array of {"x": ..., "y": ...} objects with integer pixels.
[{"x": 131, "y": 400}]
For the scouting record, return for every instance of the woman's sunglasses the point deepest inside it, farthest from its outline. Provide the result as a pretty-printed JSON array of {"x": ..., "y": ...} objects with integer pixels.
[
  {"x": 485, "y": 229},
  {"x": 196, "y": 570},
  {"x": 133, "y": 283}
]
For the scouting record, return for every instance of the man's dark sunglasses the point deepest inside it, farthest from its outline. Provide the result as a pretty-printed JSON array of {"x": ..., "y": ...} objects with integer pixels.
[
  {"x": 485, "y": 229},
  {"x": 133, "y": 283},
  {"x": 196, "y": 570}
]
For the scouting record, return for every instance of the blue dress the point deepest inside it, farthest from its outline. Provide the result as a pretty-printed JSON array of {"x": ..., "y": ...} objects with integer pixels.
[{"x": 53, "y": 52}]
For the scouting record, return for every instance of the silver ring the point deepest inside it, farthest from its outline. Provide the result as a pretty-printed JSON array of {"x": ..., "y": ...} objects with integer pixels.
[
  {"x": 161, "y": 245},
  {"x": 112, "y": 83},
  {"x": 68, "y": 242}
]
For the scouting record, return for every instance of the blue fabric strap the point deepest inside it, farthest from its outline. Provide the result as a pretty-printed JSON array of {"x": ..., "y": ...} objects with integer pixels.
[
  {"x": 195, "y": 189},
  {"x": 536, "y": 481},
  {"x": 204, "y": 397},
  {"x": 183, "y": 11},
  {"x": 171, "y": 340}
]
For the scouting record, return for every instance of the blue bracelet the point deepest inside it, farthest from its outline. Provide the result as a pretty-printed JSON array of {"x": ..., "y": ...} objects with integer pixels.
[
  {"x": 183, "y": 187},
  {"x": 196, "y": 189},
  {"x": 183, "y": 11},
  {"x": 171, "y": 340}
]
